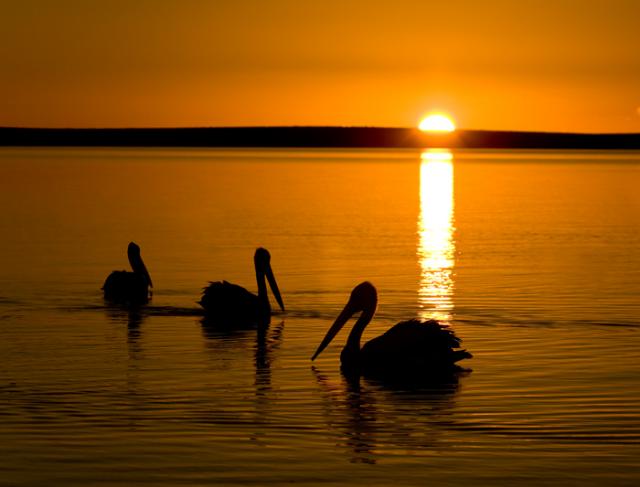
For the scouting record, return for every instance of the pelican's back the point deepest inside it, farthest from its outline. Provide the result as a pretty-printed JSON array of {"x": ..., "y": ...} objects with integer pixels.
[
  {"x": 229, "y": 301},
  {"x": 415, "y": 346},
  {"x": 126, "y": 287}
]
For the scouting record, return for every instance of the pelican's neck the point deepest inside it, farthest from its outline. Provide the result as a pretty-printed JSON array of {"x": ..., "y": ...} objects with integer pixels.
[
  {"x": 138, "y": 267},
  {"x": 262, "y": 291},
  {"x": 136, "y": 263},
  {"x": 352, "y": 348}
]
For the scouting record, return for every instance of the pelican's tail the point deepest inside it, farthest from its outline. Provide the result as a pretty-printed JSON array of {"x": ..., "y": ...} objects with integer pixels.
[{"x": 458, "y": 355}]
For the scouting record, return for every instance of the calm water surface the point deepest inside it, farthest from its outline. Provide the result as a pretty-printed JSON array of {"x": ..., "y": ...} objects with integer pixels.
[{"x": 532, "y": 257}]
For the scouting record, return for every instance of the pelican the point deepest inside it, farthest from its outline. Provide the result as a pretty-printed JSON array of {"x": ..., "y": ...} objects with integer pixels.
[
  {"x": 414, "y": 347},
  {"x": 232, "y": 304},
  {"x": 129, "y": 287}
]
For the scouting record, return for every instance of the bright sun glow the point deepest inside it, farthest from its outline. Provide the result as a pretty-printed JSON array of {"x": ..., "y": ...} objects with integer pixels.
[{"x": 437, "y": 123}]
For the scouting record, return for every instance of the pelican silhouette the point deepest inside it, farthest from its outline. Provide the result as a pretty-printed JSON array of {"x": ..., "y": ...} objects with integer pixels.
[
  {"x": 233, "y": 305},
  {"x": 129, "y": 287},
  {"x": 414, "y": 347}
]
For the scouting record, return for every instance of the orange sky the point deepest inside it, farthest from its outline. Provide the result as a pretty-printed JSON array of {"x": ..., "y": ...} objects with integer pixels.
[{"x": 492, "y": 64}]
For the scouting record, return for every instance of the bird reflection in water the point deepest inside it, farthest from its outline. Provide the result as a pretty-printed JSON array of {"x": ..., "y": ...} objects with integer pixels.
[
  {"x": 370, "y": 416},
  {"x": 133, "y": 317},
  {"x": 268, "y": 341},
  {"x": 235, "y": 343},
  {"x": 353, "y": 411}
]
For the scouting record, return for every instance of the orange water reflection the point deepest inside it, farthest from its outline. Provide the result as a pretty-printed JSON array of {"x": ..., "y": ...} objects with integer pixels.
[{"x": 436, "y": 246}]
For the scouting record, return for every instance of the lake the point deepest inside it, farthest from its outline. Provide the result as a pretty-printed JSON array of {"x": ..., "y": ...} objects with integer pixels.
[{"x": 532, "y": 257}]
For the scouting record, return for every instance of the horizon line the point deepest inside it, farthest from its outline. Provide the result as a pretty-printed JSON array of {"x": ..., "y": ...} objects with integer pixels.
[{"x": 359, "y": 127}]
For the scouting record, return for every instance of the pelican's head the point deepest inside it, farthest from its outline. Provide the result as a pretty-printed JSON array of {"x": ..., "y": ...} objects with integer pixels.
[
  {"x": 262, "y": 258},
  {"x": 364, "y": 297},
  {"x": 133, "y": 250},
  {"x": 262, "y": 261}
]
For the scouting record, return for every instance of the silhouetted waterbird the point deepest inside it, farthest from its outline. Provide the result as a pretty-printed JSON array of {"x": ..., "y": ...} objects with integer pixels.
[
  {"x": 125, "y": 287},
  {"x": 409, "y": 348},
  {"x": 232, "y": 305}
]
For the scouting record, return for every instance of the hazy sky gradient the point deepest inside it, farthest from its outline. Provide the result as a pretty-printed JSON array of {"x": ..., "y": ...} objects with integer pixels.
[{"x": 545, "y": 65}]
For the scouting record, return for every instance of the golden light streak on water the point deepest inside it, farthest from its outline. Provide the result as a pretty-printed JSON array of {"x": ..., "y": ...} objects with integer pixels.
[{"x": 436, "y": 246}]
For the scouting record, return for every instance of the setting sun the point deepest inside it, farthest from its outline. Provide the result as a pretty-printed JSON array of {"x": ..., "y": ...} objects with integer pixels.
[{"x": 437, "y": 123}]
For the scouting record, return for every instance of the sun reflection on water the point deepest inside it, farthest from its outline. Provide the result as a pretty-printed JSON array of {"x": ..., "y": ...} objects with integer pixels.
[{"x": 436, "y": 246}]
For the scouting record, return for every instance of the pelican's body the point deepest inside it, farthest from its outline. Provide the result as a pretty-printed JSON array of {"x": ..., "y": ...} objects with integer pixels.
[
  {"x": 129, "y": 287},
  {"x": 408, "y": 348},
  {"x": 233, "y": 305}
]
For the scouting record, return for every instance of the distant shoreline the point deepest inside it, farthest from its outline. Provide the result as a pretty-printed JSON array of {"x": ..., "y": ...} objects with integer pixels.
[{"x": 311, "y": 137}]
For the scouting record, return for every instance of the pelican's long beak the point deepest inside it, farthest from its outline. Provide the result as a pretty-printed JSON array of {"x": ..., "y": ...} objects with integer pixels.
[
  {"x": 274, "y": 286},
  {"x": 348, "y": 311},
  {"x": 146, "y": 273}
]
